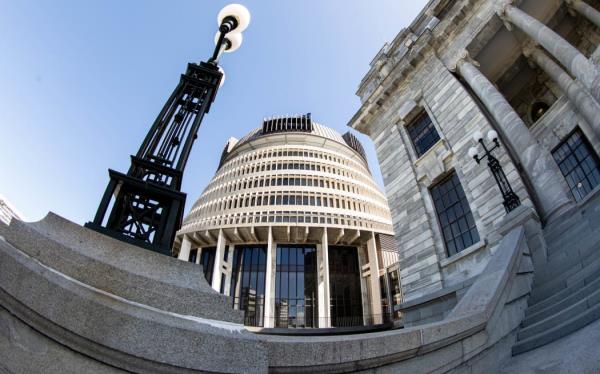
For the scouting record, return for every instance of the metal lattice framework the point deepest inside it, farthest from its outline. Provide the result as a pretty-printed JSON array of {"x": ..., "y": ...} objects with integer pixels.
[
  {"x": 511, "y": 200},
  {"x": 145, "y": 206}
]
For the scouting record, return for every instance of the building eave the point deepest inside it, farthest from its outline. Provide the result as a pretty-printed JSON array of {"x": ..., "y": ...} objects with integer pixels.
[{"x": 424, "y": 44}]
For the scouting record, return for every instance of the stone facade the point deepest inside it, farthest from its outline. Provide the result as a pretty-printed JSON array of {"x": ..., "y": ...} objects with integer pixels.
[
  {"x": 7, "y": 211},
  {"x": 524, "y": 69}
]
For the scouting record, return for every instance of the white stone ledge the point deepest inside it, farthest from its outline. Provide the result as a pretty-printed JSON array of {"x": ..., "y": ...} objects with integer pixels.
[
  {"x": 464, "y": 253},
  {"x": 111, "y": 329}
]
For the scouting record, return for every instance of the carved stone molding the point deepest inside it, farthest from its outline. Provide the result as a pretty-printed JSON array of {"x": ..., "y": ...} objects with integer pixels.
[
  {"x": 463, "y": 56},
  {"x": 433, "y": 164}
]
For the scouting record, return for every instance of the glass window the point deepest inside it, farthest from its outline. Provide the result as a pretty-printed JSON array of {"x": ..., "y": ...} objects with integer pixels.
[
  {"x": 248, "y": 282},
  {"x": 207, "y": 260},
  {"x": 222, "y": 287},
  {"x": 386, "y": 308},
  {"x": 193, "y": 256},
  {"x": 396, "y": 291},
  {"x": 226, "y": 254},
  {"x": 296, "y": 286},
  {"x": 344, "y": 283},
  {"x": 422, "y": 133},
  {"x": 579, "y": 164},
  {"x": 454, "y": 214}
]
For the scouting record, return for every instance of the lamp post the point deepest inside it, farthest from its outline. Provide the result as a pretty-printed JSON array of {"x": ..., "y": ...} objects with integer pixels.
[
  {"x": 145, "y": 206},
  {"x": 511, "y": 200}
]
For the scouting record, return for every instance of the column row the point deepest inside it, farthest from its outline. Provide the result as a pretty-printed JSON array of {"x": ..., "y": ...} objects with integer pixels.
[
  {"x": 538, "y": 164},
  {"x": 291, "y": 285}
]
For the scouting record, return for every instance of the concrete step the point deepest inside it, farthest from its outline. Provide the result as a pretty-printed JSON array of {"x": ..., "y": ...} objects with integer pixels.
[
  {"x": 565, "y": 260},
  {"x": 563, "y": 225},
  {"x": 592, "y": 215},
  {"x": 559, "y": 296},
  {"x": 558, "y": 331},
  {"x": 578, "y": 236},
  {"x": 566, "y": 292},
  {"x": 564, "y": 280},
  {"x": 570, "y": 298},
  {"x": 583, "y": 236},
  {"x": 555, "y": 319}
]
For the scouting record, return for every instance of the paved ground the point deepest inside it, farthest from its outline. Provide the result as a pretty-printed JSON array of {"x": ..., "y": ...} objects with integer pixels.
[{"x": 578, "y": 353}]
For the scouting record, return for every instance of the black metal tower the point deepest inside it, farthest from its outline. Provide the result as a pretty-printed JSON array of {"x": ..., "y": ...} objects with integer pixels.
[{"x": 145, "y": 206}]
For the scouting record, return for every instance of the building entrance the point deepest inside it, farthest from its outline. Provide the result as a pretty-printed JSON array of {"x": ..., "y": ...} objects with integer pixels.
[
  {"x": 296, "y": 286},
  {"x": 248, "y": 282},
  {"x": 344, "y": 283}
]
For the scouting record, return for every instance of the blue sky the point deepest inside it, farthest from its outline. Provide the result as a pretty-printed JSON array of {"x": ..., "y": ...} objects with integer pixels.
[{"x": 82, "y": 81}]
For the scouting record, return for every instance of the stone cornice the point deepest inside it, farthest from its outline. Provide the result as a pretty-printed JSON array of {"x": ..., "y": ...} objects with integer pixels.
[
  {"x": 420, "y": 48},
  {"x": 386, "y": 73}
]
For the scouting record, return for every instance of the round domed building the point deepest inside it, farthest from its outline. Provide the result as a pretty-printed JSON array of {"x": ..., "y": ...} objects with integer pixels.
[{"x": 292, "y": 227}]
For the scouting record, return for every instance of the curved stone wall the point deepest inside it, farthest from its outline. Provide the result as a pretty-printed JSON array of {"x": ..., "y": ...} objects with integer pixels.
[{"x": 45, "y": 310}]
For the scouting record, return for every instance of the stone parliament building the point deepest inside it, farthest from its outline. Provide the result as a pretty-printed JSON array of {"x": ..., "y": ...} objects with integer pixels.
[
  {"x": 481, "y": 288},
  {"x": 528, "y": 71}
]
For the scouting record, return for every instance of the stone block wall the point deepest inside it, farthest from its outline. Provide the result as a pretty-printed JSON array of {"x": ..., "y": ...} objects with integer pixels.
[
  {"x": 414, "y": 73},
  {"x": 425, "y": 266}
]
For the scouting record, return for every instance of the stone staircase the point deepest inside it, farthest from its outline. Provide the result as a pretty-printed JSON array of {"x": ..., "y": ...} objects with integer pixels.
[{"x": 566, "y": 292}]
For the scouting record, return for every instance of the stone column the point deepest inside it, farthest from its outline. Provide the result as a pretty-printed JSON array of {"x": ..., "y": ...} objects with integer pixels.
[
  {"x": 538, "y": 165},
  {"x": 186, "y": 247},
  {"x": 198, "y": 255},
  {"x": 588, "y": 107},
  {"x": 585, "y": 10},
  {"x": 270, "y": 281},
  {"x": 575, "y": 62},
  {"x": 374, "y": 276},
  {"x": 228, "y": 269},
  {"x": 323, "y": 275},
  {"x": 365, "y": 283},
  {"x": 217, "y": 272}
]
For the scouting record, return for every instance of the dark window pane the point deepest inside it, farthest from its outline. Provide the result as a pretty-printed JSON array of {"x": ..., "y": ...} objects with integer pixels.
[
  {"x": 422, "y": 133},
  {"x": 579, "y": 165},
  {"x": 454, "y": 214},
  {"x": 296, "y": 287},
  {"x": 247, "y": 283},
  {"x": 207, "y": 260},
  {"x": 344, "y": 284}
]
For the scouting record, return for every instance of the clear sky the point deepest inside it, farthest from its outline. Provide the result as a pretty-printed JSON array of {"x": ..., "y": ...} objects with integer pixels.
[{"x": 82, "y": 81}]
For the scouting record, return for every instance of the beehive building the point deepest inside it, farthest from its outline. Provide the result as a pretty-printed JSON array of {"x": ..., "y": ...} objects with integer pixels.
[{"x": 293, "y": 227}]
